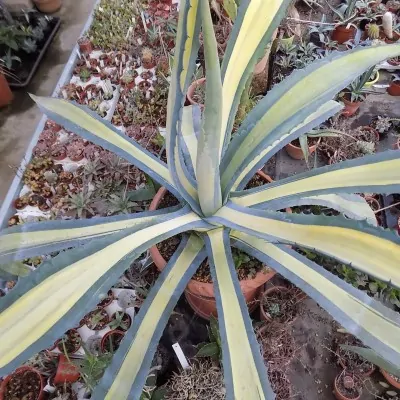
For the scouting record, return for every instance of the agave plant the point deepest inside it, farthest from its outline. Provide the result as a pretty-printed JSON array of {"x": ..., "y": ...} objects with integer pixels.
[{"x": 207, "y": 171}]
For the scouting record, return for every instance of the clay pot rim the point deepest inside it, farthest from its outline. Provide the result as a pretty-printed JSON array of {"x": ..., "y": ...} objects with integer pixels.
[
  {"x": 57, "y": 342},
  {"x": 106, "y": 335},
  {"x": 387, "y": 376},
  {"x": 310, "y": 147},
  {"x": 271, "y": 289},
  {"x": 158, "y": 259},
  {"x": 192, "y": 88},
  {"x": 337, "y": 392},
  {"x": 4, "y": 384},
  {"x": 349, "y": 102}
]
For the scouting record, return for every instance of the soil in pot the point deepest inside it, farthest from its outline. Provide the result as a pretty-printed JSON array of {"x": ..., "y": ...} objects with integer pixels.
[
  {"x": 351, "y": 361},
  {"x": 280, "y": 304},
  {"x": 246, "y": 266},
  {"x": 257, "y": 181},
  {"x": 71, "y": 342},
  {"x": 97, "y": 319},
  {"x": 111, "y": 341},
  {"x": 107, "y": 300},
  {"x": 20, "y": 202},
  {"x": 347, "y": 387},
  {"x": 24, "y": 384}
]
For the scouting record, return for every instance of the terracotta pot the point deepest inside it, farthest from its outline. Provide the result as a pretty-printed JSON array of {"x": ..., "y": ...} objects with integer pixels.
[
  {"x": 66, "y": 371},
  {"x": 394, "y": 62},
  {"x": 85, "y": 45},
  {"x": 263, "y": 314},
  {"x": 59, "y": 343},
  {"x": 18, "y": 204},
  {"x": 394, "y": 88},
  {"x": 374, "y": 204},
  {"x": 4, "y": 384},
  {"x": 6, "y": 95},
  {"x": 48, "y": 6},
  {"x": 341, "y": 34},
  {"x": 394, "y": 39},
  {"x": 390, "y": 379},
  {"x": 191, "y": 90},
  {"x": 105, "y": 339},
  {"x": 200, "y": 295},
  {"x": 350, "y": 107},
  {"x": 296, "y": 152},
  {"x": 338, "y": 394}
]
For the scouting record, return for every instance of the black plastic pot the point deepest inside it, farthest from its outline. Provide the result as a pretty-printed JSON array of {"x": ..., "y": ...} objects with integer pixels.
[{"x": 33, "y": 64}]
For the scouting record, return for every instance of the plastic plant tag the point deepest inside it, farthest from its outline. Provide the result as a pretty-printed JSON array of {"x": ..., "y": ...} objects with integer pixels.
[{"x": 181, "y": 357}]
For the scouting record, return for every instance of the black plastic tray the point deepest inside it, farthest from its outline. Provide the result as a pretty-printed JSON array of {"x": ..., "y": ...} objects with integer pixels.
[{"x": 39, "y": 57}]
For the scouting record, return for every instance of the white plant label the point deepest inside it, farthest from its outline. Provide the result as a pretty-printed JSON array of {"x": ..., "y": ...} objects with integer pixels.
[
  {"x": 123, "y": 58},
  {"x": 88, "y": 63},
  {"x": 64, "y": 93},
  {"x": 181, "y": 357},
  {"x": 102, "y": 63}
]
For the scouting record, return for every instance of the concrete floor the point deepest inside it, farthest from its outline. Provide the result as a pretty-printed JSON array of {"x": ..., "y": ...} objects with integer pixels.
[{"x": 18, "y": 121}]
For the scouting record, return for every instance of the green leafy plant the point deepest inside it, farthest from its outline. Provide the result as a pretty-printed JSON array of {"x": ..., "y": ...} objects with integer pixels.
[
  {"x": 317, "y": 133},
  {"x": 85, "y": 74},
  {"x": 356, "y": 88},
  {"x": 95, "y": 319},
  {"x": 346, "y": 12},
  {"x": 212, "y": 349},
  {"x": 118, "y": 322},
  {"x": 322, "y": 30},
  {"x": 11, "y": 35},
  {"x": 8, "y": 59},
  {"x": 91, "y": 367},
  {"x": 239, "y": 258},
  {"x": 207, "y": 171}
]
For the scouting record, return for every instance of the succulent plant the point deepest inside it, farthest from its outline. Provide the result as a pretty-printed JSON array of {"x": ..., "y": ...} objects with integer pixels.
[
  {"x": 85, "y": 74},
  {"x": 147, "y": 58},
  {"x": 373, "y": 31}
]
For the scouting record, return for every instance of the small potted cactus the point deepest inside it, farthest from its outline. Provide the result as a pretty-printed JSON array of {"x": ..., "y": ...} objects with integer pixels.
[
  {"x": 85, "y": 45},
  {"x": 373, "y": 31},
  {"x": 347, "y": 387},
  {"x": 84, "y": 74},
  {"x": 148, "y": 59}
]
